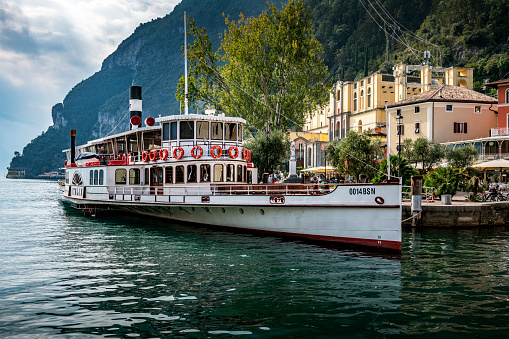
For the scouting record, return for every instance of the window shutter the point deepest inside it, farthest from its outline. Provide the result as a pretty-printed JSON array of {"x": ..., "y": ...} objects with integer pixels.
[
  {"x": 464, "y": 127},
  {"x": 455, "y": 127}
]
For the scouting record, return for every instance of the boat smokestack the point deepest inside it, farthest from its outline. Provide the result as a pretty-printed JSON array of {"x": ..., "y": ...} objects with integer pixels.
[
  {"x": 135, "y": 106},
  {"x": 73, "y": 145}
]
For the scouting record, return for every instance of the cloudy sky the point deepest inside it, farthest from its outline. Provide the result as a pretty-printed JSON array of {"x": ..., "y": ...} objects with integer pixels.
[{"x": 47, "y": 47}]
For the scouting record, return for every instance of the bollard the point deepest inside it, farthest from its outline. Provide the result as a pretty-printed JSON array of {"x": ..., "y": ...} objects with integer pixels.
[{"x": 416, "y": 191}]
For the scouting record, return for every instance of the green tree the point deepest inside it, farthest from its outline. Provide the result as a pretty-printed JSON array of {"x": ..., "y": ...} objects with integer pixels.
[
  {"x": 406, "y": 170},
  {"x": 423, "y": 151},
  {"x": 356, "y": 154},
  {"x": 267, "y": 70},
  {"x": 444, "y": 179},
  {"x": 269, "y": 150},
  {"x": 461, "y": 157}
]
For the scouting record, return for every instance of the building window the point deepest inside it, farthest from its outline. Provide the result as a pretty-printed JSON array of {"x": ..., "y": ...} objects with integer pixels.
[
  {"x": 417, "y": 109},
  {"x": 369, "y": 97},
  {"x": 359, "y": 129},
  {"x": 448, "y": 108},
  {"x": 369, "y": 80},
  {"x": 477, "y": 109},
  {"x": 355, "y": 101},
  {"x": 338, "y": 97},
  {"x": 507, "y": 96},
  {"x": 417, "y": 127},
  {"x": 400, "y": 129},
  {"x": 460, "y": 127}
]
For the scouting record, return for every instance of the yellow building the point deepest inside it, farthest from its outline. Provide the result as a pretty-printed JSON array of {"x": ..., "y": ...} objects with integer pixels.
[{"x": 360, "y": 105}]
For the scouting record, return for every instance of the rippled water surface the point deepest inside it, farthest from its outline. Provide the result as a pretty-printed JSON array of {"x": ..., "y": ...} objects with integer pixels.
[{"x": 63, "y": 275}]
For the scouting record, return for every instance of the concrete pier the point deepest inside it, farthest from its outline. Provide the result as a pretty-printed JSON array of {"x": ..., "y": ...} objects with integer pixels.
[{"x": 460, "y": 213}]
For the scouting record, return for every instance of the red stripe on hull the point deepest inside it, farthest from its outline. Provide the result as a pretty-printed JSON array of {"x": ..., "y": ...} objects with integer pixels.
[{"x": 372, "y": 243}]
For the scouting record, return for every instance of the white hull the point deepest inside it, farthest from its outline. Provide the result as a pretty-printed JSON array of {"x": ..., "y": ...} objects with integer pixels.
[{"x": 345, "y": 215}]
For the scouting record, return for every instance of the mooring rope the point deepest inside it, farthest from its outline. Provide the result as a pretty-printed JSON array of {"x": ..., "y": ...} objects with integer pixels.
[{"x": 413, "y": 216}]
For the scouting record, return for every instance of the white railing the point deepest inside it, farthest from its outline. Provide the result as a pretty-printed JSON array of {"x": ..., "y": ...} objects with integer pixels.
[
  {"x": 499, "y": 131},
  {"x": 427, "y": 192}
]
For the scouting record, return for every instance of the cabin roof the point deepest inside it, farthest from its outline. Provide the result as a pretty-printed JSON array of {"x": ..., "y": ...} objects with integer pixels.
[{"x": 200, "y": 117}]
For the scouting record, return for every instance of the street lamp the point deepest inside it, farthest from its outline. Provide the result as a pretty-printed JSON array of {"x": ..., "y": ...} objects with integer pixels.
[{"x": 399, "y": 117}]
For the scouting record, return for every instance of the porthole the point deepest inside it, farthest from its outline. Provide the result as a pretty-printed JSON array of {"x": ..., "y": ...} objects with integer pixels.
[{"x": 262, "y": 212}]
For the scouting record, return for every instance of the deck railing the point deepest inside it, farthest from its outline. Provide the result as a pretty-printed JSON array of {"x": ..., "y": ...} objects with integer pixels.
[{"x": 427, "y": 193}]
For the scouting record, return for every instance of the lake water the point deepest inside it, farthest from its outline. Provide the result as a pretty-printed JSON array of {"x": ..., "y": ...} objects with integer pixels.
[{"x": 63, "y": 275}]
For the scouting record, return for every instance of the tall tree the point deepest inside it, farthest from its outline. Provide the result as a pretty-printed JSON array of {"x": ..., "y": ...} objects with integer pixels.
[{"x": 267, "y": 70}]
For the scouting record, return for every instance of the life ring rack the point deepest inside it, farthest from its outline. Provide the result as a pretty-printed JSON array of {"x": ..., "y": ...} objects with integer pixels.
[{"x": 163, "y": 154}]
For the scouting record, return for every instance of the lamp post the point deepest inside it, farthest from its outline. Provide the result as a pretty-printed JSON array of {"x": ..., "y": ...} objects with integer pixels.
[{"x": 399, "y": 117}]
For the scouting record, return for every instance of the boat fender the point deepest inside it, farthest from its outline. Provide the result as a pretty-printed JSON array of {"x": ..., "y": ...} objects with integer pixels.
[
  {"x": 180, "y": 153},
  {"x": 144, "y": 156},
  {"x": 231, "y": 151},
  {"x": 218, "y": 155},
  {"x": 163, "y": 154},
  {"x": 153, "y": 155},
  {"x": 197, "y": 155}
]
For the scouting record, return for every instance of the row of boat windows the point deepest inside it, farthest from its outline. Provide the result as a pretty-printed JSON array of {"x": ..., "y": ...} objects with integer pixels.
[
  {"x": 202, "y": 130},
  {"x": 184, "y": 174},
  {"x": 96, "y": 177}
]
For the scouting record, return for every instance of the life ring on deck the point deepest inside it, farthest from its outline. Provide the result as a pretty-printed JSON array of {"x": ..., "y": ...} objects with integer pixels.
[
  {"x": 218, "y": 155},
  {"x": 163, "y": 154},
  {"x": 181, "y": 153},
  {"x": 129, "y": 158},
  {"x": 144, "y": 156},
  {"x": 231, "y": 150},
  {"x": 124, "y": 157},
  {"x": 200, "y": 152},
  {"x": 246, "y": 154},
  {"x": 153, "y": 155}
]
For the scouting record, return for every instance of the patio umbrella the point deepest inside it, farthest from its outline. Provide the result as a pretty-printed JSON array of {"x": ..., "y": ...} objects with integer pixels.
[{"x": 493, "y": 165}]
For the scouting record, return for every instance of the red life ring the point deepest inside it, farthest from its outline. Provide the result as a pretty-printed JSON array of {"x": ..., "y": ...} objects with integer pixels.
[
  {"x": 129, "y": 158},
  {"x": 216, "y": 155},
  {"x": 163, "y": 154},
  {"x": 144, "y": 156},
  {"x": 245, "y": 154},
  {"x": 230, "y": 151},
  {"x": 153, "y": 155},
  {"x": 181, "y": 153},
  {"x": 124, "y": 157},
  {"x": 200, "y": 150}
]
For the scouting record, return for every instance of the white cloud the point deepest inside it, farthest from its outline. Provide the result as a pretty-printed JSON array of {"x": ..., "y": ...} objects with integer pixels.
[{"x": 47, "y": 47}]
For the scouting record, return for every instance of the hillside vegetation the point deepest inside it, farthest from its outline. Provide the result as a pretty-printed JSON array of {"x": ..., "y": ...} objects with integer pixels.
[{"x": 359, "y": 37}]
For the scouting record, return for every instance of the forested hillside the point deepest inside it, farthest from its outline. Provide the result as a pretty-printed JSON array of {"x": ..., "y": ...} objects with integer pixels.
[{"x": 358, "y": 36}]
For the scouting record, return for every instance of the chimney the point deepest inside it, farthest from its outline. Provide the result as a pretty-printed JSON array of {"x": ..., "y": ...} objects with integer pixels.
[
  {"x": 135, "y": 106},
  {"x": 73, "y": 145}
]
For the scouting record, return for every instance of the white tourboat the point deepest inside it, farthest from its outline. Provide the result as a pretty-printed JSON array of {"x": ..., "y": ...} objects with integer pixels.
[{"x": 194, "y": 168}]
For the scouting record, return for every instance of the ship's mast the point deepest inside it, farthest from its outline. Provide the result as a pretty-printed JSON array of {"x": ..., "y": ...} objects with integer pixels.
[{"x": 186, "y": 109}]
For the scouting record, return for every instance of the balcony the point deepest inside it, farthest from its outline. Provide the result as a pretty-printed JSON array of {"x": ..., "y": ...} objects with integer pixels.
[{"x": 499, "y": 131}]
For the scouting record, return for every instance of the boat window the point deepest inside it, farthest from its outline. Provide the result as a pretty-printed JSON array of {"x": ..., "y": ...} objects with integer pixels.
[
  {"x": 147, "y": 180},
  {"x": 245, "y": 173},
  {"x": 230, "y": 172},
  {"x": 249, "y": 177},
  {"x": 239, "y": 173},
  {"x": 231, "y": 131},
  {"x": 240, "y": 132},
  {"x": 96, "y": 177},
  {"x": 204, "y": 173},
  {"x": 166, "y": 131},
  {"x": 179, "y": 174},
  {"x": 91, "y": 177},
  {"x": 218, "y": 173},
  {"x": 191, "y": 173},
  {"x": 202, "y": 130},
  {"x": 159, "y": 175},
  {"x": 169, "y": 175},
  {"x": 120, "y": 176},
  {"x": 101, "y": 177},
  {"x": 173, "y": 130},
  {"x": 217, "y": 131},
  {"x": 134, "y": 176},
  {"x": 187, "y": 130}
]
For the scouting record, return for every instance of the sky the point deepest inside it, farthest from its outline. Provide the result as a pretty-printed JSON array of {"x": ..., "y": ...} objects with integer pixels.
[{"x": 47, "y": 47}]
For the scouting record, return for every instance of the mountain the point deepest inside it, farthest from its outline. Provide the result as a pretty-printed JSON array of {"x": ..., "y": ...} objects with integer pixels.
[{"x": 359, "y": 37}]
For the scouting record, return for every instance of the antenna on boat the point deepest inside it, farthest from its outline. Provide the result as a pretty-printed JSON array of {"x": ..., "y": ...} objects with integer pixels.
[{"x": 186, "y": 108}]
